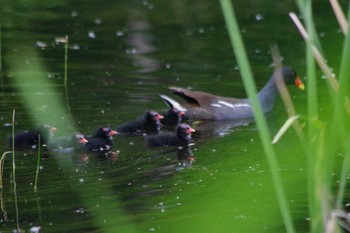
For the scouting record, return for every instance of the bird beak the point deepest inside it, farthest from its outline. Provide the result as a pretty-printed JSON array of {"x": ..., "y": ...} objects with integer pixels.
[
  {"x": 190, "y": 130},
  {"x": 113, "y": 132},
  {"x": 299, "y": 83},
  {"x": 158, "y": 117},
  {"x": 83, "y": 140}
]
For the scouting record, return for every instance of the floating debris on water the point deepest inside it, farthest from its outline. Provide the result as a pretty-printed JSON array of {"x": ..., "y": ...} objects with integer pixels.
[
  {"x": 74, "y": 13},
  {"x": 41, "y": 44},
  {"x": 259, "y": 17},
  {"x": 92, "y": 35},
  {"x": 119, "y": 33},
  {"x": 97, "y": 21},
  {"x": 35, "y": 229},
  {"x": 60, "y": 40}
]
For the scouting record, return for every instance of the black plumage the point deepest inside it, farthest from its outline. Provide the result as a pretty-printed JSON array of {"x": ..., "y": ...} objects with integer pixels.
[
  {"x": 180, "y": 138},
  {"x": 149, "y": 123},
  {"x": 172, "y": 118},
  {"x": 76, "y": 141},
  {"x": 101, "y": 142},
  {"x": 30, "y": 139}
]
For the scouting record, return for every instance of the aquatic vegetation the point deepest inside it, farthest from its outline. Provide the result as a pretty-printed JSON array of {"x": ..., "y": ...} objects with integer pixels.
[{"x": 323, "y": 138}]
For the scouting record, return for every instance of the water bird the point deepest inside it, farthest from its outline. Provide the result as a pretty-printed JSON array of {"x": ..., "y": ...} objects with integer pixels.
[
  {"x": 206, "y": 106},
  {"x": 181, "y": 137},
  {"x": 149, "y": 123},
  {"x": 173, "y": 116},
  {"x": 75, "y": 142},
  {"x": 30, "y": 139},
  {"x": 101, "y": 142}
]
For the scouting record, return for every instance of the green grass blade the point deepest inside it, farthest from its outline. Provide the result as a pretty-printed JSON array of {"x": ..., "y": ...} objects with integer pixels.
[
  {"x": 37, "y": 166},
  {"x": 249, "y": 84}
]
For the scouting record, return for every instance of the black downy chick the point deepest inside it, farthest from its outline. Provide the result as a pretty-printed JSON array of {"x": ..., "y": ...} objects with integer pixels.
[
  {"x": 62, "y": 144},
  {"x": 149, "y": 123},
  {"x": 30, "y": 139},
  {"x": 180, "y": 138},
  {"x": 101, "y": 142}
]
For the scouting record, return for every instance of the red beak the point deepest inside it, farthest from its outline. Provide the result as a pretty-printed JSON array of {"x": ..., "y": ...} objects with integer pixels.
[
  {"x": 158, "y": 117},
  {"x": 190, "y": 130},
  {"x": 83, "y": 140},
  {"x": 299, "y": 83},
  {"x": 112, "y": 132}
]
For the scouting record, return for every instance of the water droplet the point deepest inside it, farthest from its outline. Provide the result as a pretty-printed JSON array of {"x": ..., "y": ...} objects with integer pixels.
[
  {"x": 92, "y": 34},
  {"x": 98, "y": 21},
  {"x": 259, "y": 17},
  {"x": 81, "y": 180},
  {"x": 74, "y": 47},
  {"x": 35, "y": 229},
  {"x": 74, "y": 13},
  {"x": 119, "y": 33},
  {"x": 41, "y": 44}
]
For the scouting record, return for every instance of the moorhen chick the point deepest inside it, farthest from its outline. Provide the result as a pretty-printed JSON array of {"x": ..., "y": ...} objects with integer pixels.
[
  {"x": 30, "y": 139},
  {"x": 75, "y": 142},
  {"x": 101, "y": 142},
  {"x": 149, "y": 123},
  {"x": 173, "y": 116},
  {"x": 180, "y": 138},
  {"x": 205, "y": 106}
]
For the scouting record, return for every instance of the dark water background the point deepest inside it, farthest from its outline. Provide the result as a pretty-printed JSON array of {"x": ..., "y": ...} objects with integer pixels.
[{"x": 122, "y": 55}]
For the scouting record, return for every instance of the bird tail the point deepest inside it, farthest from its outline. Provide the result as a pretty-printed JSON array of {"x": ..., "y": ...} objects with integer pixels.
[{"x": 172, "y": 103}]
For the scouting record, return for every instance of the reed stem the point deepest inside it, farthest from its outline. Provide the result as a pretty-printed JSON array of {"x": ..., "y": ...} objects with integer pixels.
[
  {"x": 66, "y": 62},
  {"x": 14, "y": 168},
  {"x": 0, "y": 48},
  {"x": 244, "y": 67},
  {"x": 37, "y": 165}
]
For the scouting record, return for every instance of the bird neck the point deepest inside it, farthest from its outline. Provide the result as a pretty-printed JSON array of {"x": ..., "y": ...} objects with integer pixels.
[{"x": 267, "y": 95}]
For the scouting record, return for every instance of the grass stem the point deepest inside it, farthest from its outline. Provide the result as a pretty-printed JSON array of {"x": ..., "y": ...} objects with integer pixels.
[
  {"x": 66, "y": 62},
  {"x": 245, "y": 70},
  {"x": 0, "y": 48},
  {"x": 37, "y": 165},
  {"x": 339, "y": 14},
  {"x": 14, "y": 168}
]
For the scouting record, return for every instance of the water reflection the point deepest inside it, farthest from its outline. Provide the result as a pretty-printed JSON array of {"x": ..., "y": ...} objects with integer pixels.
[
  {"x": 207, "y": 129},
  {"x": 141, "y": 44}
]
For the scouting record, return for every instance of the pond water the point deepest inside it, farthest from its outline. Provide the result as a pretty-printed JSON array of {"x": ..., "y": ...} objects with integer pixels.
[{"x": 121, "y": 56}]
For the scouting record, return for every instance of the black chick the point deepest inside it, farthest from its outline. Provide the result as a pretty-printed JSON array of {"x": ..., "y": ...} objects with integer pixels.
[
  {"x": 101, "y": 142},
  {"x": 180, "y": 138},
  {"x": 30, "y": 139},
  {"x": 149, "y": 123},
  {"x": 77, "y": 141},
  {"x": 172, "y": 118}
]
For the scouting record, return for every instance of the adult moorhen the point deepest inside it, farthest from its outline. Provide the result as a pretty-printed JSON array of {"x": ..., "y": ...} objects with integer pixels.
[
  {"x": 180, "y": 138},
  {"x": 174, "y": 115},
  {"x": 67, "y": 144},
  {"x": 201, "y": 105},
  {"x": 30, "y": 139},
  {"x": 149, "y": 123},
  {"x": 101, "y": 142}
]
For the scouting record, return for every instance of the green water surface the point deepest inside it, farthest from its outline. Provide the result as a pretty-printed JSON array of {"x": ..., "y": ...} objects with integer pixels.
[{"x": 122, "y": 55}]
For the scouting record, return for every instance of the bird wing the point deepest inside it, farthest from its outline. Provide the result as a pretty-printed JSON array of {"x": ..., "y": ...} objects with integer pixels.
[{"x": 202, "y": 99}]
